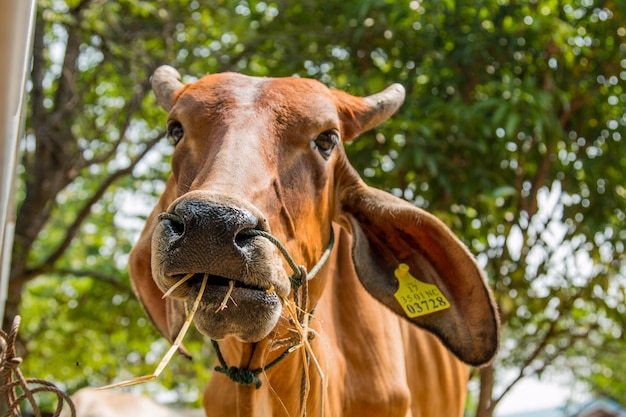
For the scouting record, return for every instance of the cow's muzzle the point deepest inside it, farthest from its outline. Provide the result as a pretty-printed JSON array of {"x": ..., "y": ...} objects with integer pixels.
[{"x": 205, "y": 233}]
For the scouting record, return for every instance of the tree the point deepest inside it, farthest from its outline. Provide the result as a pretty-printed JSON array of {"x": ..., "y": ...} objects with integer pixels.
[
  {"x": 497, "y": 125},
  {"x": 511, "y": 133},
  {"x": 90, "y": 123},
  {"x": 602, "y": 372}
]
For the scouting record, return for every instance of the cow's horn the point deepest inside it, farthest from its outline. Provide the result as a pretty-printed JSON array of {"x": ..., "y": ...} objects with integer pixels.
[
  {"x": 382, "y": 105},
  {"x": 165, "y": 82}
]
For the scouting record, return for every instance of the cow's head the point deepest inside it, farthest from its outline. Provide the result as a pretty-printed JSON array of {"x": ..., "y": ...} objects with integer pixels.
[{"x": 267, "y": 154}]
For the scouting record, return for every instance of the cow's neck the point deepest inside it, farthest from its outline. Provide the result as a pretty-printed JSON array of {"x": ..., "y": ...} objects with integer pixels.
[
  {"x": 282, "y": 357},
  {"x": 282, "y": 385}
]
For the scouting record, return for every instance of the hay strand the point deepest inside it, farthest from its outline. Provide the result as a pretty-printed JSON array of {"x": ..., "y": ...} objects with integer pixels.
[
  {"x": 170, "y": 353},
  {"x": 224, "y": 305},
  {"x": 177, "y": 284}
]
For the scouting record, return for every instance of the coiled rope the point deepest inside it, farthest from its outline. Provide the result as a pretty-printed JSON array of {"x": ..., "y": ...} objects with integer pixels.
[{"x": 11, "y": 378}]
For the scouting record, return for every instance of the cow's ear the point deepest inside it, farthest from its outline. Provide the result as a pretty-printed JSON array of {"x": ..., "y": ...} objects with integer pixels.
[
  {"x": 388, "y": 232},
  {"x": 167, "y": 315}
]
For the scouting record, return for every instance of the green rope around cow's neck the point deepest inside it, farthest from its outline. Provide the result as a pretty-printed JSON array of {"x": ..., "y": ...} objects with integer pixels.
[
  {"x": 249, "y": 377},
  {"x": 245, "y": 376}
]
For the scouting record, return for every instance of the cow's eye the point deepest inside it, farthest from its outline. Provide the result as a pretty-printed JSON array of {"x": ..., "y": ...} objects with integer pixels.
[
  {"x": 325, "y": 142},
  {"x": 175, "y": 131}
]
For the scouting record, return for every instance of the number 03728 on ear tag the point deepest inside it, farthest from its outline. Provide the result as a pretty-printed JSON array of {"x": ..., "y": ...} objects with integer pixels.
[{"x": 418, "y": 298}]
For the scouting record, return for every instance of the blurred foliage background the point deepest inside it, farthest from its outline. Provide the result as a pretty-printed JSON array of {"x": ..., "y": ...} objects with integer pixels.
[{"x": 513, "y": 132}]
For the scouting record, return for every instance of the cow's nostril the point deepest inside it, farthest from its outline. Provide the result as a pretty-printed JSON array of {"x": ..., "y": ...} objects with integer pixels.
[
  {"x": 244, "y": 236},
  {"x": 174, "y": 222}
]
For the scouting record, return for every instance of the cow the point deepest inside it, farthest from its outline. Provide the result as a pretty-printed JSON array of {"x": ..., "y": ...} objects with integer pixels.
[{"x": 296, "y": 264}]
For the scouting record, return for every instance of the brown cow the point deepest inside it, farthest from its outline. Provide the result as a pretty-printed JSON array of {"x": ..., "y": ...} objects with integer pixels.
[{"x": 256, "y": 157}]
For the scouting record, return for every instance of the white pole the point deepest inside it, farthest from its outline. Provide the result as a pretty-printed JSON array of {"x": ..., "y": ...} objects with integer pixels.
[{"x": 17, "y": 22}]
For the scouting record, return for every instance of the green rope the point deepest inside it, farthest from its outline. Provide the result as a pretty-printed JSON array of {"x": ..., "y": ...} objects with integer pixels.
[
  {"x": 245, "y": 376},
  {"x": 296, "y": 278},
  {"x": 249, "y": 377}
]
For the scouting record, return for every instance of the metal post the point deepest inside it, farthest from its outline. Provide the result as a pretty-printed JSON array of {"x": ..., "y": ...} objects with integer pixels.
[{"x": 17, "y": 22}]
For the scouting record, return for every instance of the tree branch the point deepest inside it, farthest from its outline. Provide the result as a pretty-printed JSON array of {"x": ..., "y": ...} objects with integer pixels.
[
  {"x": 84, "y": 212},
  {"x": 540, "y": 179},
  {"x": 522, "y": 368},
  {"x": 129, "y": 110},
  {"x": 72, "y": 230},
  {"x": 485, "y": 401},
  {"x": 95, "y": 275},
  {"x": 65, "y": 97},
  {"x": 37, "y": 95},
  {"x": 550, "y": 333}
]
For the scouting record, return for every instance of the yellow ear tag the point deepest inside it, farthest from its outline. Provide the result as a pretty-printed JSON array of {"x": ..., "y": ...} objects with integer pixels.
[{"x": 418, "y": 298}]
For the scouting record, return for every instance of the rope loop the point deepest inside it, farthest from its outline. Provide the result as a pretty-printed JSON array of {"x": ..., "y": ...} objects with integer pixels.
[
  {"x": 299, "y": 272},
  {"x": 11, "y": 377},
  {"x": 296, "y": 278}
]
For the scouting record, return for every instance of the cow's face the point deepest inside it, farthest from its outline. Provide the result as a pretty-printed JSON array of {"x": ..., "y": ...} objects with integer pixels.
[
  {"x": 266, "y": 155},
  {"x": 250, "y": 153}
]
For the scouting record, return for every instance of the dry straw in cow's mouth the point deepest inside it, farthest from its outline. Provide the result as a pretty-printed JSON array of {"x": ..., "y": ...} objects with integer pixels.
[
  {"x": 178, "y": 284},
  {"x": 170, "y": 353},
  {"x": 299, "y": 318}
]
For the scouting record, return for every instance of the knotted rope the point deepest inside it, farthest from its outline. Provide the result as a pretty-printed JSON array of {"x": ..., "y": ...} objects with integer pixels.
[
  {"x": 250, "y": 377},
  {"x": 245, "y": 376},
  {"x": 11, "y": 377}
]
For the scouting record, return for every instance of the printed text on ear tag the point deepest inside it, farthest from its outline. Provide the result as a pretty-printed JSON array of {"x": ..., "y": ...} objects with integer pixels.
[{"x": 418, "y": 298}]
